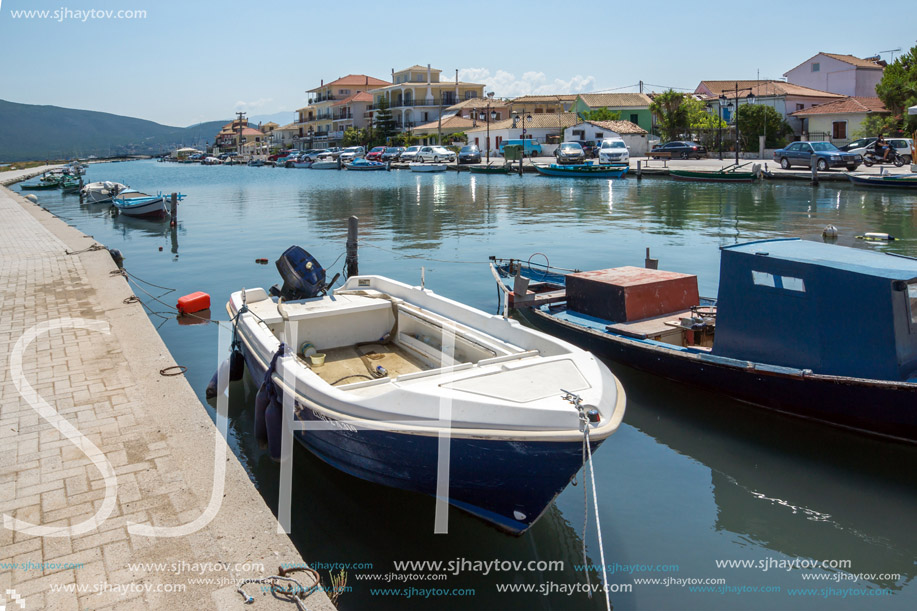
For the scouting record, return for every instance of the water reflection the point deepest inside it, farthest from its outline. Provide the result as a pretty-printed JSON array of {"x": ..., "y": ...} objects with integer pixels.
[{"x": 788, "y": 485}]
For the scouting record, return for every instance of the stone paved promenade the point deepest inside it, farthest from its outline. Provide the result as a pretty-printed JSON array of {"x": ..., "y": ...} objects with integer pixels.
[{"x": 156, "y": 441}]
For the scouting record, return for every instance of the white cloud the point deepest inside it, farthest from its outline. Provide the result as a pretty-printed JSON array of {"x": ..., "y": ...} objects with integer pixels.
[
  {"x": 506, "y": 85},
  {"x": 259, "y": 103}
]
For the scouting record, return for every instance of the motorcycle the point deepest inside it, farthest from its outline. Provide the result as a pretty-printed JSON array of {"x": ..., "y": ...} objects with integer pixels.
[{"x": 870, "y": 158}]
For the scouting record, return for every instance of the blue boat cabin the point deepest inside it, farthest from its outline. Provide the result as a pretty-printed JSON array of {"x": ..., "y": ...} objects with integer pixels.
[{"x": 831, "y": 309}]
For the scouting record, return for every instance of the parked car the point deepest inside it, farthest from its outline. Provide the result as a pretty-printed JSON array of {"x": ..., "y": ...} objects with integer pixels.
[
  {"x": 375, "y": 153},
  {"x": 613, "y": 150},
  {"x": 682, "y": 149},
  {"x": 901, "y": 145},
  {"x": 589, "y": 148},
  {"x": 530, "y": 146},
  {"x": 827, "y": 156},
  {"x": 434, "y": 154},
  {"x": 469, "y": 154},
  {"x": 312, "y": 154},
  {"x": 334, "y": 151},
  {"x": 352, "y": 152},
  {"x": 392, "y": 153},
  {"x": 570, "y": 152},
  {"x": 409, "y": 155}
]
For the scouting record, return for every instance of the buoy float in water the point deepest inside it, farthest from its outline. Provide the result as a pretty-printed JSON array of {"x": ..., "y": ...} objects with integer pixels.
[{"x": 194, "y": 302}]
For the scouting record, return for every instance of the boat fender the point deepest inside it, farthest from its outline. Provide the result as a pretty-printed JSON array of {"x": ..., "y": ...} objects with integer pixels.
[
  {"x": 236, "y": 366},
  {"x": 213, "y": 387},
  {"x": 875, "y": 235},
  {"x": 267, "y": 394},
  {"x": 273, "y": 420},
  {"x": 830, "y": 232},
  {"x": 117, "y": 257}
]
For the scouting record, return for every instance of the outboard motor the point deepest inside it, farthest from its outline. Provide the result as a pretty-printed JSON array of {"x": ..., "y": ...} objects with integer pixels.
[{"x": 303, "y": 276}]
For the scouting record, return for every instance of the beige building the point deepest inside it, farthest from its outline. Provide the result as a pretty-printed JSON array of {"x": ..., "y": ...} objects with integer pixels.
[
  {"x": 335, "y": 106},
  {"x": 840, "y": 121},
  {"x": 417, "y": 96},
  {"x": 544, "y": 104},
  {"x": 227, "y": 140}
]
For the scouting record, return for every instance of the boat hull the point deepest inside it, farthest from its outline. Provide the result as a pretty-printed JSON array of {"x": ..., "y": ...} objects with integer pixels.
[
  {"x": 840, "y": 401},
  {"x": 155, "y": 208},
  {"x": 488, "y": 170},
  {"x": 489, "y": 478},
  {"x": 712, "y": 176},
  {"x": 893, "y": 182},
  {"x": 582, "y": 171}
]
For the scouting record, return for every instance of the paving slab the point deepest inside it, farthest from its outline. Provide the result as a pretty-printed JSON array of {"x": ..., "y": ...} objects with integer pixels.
[{"x": 94, "y": 363}]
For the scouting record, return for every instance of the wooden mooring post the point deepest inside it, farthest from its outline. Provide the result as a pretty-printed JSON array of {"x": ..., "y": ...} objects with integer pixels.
[
  {"x": 351, "y": 263},
  {"x": 639, "y": 170},
  {"x": 174, "y": 210},
  {"x": 813, "y": 161}
]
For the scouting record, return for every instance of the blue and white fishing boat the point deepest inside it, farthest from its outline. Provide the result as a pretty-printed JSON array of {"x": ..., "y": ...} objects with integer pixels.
[
  {"x": 583, "y": 170},
  {"x": 134, "y": 203},
  {"x": 824, "y": 332},
  {"x": 398, "y": 367},
  {"x": 893, "y": 181},
  {"x": 362, "y": 165}
]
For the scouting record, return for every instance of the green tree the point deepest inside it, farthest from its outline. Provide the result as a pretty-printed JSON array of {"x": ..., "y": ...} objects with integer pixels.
[
  {"x": 354, "y": 136},
  {"x": 600, "y": 114},
  {"x": 383, "y": 122},
  {"x": 405, "y": 139},
  {"x": 898, "y": 89},
  {"x": 671, "y": 114},
  {"x": 756, "y": 120},
  {"x": 699, "y": 117},
  {"x": 875, "y": 124}
]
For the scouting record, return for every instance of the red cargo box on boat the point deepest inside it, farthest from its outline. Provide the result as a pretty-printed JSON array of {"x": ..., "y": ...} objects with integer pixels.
[
  {"x": 195, "y": 302},
  {"x": 624, "y": 294}
]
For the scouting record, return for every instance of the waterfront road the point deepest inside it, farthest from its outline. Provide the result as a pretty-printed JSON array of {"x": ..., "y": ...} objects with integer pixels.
[{"x": 101, "y": 387}]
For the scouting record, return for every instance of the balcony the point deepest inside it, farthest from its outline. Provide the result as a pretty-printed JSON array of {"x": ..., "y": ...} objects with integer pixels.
[{"x": 343, "y": 115}]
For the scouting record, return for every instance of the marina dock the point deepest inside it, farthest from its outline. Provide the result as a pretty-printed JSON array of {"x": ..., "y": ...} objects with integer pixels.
[{"x": 95, "y": 361}]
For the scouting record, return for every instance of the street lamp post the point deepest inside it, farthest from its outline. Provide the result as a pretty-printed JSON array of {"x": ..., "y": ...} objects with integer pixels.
[
  {"x": 517, "y": 116},
  {"x": 750, "y": 97},
  {"x": 719, "y": 125}
]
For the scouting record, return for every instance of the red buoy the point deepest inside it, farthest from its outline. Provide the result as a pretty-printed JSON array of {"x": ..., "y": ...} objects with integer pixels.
[{"x": 194, "y": 302}]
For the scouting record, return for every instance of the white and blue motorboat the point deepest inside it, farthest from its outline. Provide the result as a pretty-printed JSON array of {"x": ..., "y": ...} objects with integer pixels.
[
  {"x": 398, "y": 368},
  {"x": 142, "y": 205},
  {"x": 820, "y": 331},
  {"x": 101, "y": 192},
  {"x": 362, "y": 165}
]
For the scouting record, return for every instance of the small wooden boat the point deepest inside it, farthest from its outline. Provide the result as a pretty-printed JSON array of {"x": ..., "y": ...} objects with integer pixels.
[
  {"x": 489, "y": 169},
  {"x": 141, "y": 205},
  {"x": 101, "y": 192},
  {"x": 362, "y": 165},
  {"x": 787, "y": 331},
  {"x": 428, "y": 167},
  {"x": 51, "y": 180},
  {"x": 583, "y": 170},
  {"x": 724, "y": 175},
  {"x": 894, "y": 181},
  {"x": 519, "y": 403},
  {"x": 71, "y": 184}
]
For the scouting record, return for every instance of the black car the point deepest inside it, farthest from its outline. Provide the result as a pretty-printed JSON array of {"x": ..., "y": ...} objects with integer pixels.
[
  {"x": 682, "y": 149},
  {"x": 391, "y": 153},
  {"x": 469, "y": 154},
  {"x": 570, "y": 152}
]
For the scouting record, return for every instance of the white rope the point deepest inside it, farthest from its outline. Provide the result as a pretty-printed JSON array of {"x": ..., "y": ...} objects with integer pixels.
[{"x": 598, "y": 524}]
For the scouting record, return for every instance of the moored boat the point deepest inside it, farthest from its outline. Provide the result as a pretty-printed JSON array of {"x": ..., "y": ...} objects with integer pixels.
[
  {"x": 583, "y": 170},
  {"x": 47, "y": 181},
  {"x": 489, "y": 169},
  {"x": 894, "y": 181},
  {"x": 362, "y": 165},
  {"x": 142, "y": 205},
  {"x": 428, "y": 167},
  {"x": 71, "y": 184},
  {"x": 787, "y": 331},
  {"x": 400, "y": 367},
  {"x": 712, "y": 176},
  {"x": 101, "y": 192}
]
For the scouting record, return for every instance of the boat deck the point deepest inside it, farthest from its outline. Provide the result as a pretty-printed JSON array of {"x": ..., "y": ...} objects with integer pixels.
[{"x": 345, "y": 365}]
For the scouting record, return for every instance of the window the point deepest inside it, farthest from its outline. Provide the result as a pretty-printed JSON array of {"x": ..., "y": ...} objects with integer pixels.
[
  {"x": 816, "y": 67},
  {"x": 633, "y": 119},
  {"x": 762, "y": 279},
  {"x": 599, "y": 135},
  {"x": 839, "y": 130},
  {"x": 800, "y": 106}
]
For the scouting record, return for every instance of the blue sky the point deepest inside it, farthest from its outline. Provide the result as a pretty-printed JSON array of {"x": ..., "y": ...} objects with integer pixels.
[{"x": 203, "y": 60}]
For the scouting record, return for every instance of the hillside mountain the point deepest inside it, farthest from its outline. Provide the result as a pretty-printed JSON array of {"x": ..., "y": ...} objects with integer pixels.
[{"x": 31, "y": 132}]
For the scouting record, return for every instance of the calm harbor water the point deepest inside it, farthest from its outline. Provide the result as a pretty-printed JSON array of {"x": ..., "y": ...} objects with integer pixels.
[{"x": 690, "y": 479}]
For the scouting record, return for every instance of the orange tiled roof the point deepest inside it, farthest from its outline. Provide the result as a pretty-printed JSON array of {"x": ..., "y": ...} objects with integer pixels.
[
  {"x": 621, "y": 127},
  {"x": 855, "y": 61},
  {"x": 453, "y": 124},
  {"x": 849, "y": 105},
  {"x": 360, "y": 96},
  {"x": 602, "y": 100},
  {"x": 353, "y": 80}
]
